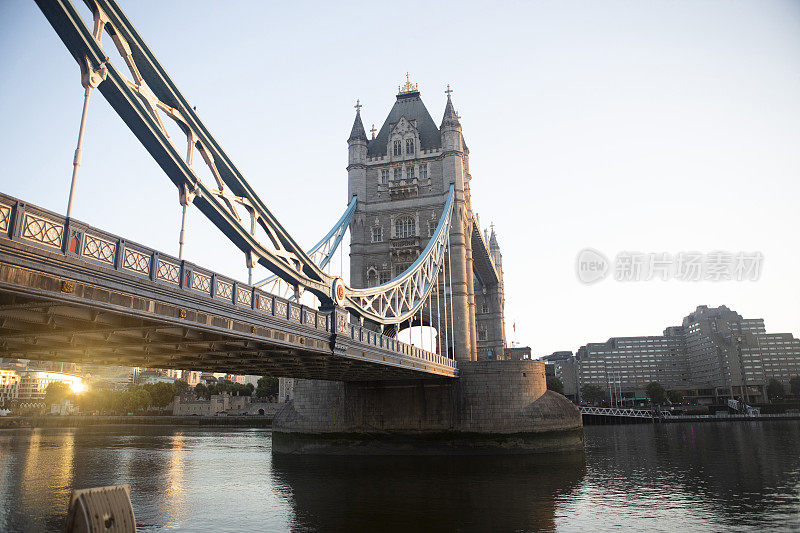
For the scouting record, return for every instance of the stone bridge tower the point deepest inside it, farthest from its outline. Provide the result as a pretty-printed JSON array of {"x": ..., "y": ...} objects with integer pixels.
[{"x": 401, "y": 177}]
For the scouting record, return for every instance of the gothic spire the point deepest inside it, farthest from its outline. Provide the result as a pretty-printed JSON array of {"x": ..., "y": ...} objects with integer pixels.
[
  {"x": 358, "y": 133},
  {"x": 450, "y": 116},
  {"x": 493, "y": 244}
]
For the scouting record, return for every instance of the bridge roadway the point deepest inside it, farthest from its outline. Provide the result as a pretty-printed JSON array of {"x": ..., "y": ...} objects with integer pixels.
[{"x": 71, "y": 292}]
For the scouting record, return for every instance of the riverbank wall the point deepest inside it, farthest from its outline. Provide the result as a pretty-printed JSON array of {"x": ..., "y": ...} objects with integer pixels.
[
  {"x": 599, "y": 420},
  {"x": 98, "y": 420}
]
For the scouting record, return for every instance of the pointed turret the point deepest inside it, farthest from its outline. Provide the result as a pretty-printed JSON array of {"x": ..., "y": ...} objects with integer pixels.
[
  {"x": 452, "y": 144},
  {"x": 493, "y": 244},
  {"x": 450, "y": 118},
  {"x": 494, "y": 251},
  {"x": 357, "y": 157},
  {"x": 358, "y": 133}
]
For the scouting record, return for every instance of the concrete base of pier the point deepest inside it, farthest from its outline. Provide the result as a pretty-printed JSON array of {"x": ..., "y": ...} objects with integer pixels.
[{"x": 494, "y": 407}]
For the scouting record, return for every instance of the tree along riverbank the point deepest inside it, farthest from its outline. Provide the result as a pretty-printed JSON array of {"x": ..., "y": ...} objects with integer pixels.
[{"x": 155, "y": 420}]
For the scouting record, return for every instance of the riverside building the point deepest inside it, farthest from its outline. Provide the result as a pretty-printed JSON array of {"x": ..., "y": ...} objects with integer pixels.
[
  {"x": 31, "y": 385},
  {"x": 562, "y": 365},
  {"x": 714, "y": 355}
]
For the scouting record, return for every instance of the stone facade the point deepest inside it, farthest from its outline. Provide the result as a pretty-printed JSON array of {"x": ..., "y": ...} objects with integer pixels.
[
  {"x": 223, "y": 404},
  {"x": 494, "y": 407},
  {"x": 401, "y": 177}
]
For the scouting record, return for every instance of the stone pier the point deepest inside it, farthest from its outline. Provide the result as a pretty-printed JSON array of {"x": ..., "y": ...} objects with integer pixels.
[{"x": 494, "y": 407}]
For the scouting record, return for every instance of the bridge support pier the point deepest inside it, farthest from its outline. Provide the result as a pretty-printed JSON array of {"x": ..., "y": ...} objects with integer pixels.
[{"x": 494, "y": 407}]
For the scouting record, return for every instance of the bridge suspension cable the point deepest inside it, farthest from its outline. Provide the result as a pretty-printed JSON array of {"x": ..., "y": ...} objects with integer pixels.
[
  {"x": 146, "y": 97},
  {"x": 321, "y": 253}
]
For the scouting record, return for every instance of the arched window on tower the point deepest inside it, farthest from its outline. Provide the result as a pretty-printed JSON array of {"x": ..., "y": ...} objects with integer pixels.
[
  {"x": 372, "y": 277},
  {"x": 409, "y": 146},
  {"x": 397, "y": 148},
  {"x": 404, "y": 227}
]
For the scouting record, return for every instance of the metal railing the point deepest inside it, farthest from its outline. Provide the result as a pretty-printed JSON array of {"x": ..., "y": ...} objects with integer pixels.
[{"x": 617, "y": 411}]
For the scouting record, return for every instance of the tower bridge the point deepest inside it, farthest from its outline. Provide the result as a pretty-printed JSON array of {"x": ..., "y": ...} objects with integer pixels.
[{"x": 73, "y": 292}]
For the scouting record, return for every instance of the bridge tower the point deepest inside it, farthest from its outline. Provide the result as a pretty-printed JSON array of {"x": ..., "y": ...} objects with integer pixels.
[{"x": 401, "y": 177}]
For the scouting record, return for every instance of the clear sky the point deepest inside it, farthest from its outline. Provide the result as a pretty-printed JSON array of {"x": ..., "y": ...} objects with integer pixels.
[{"x": 622, "y": 126}]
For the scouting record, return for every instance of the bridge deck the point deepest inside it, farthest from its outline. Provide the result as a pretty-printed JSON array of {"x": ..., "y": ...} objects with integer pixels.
[{"x": 70, "y": 292}]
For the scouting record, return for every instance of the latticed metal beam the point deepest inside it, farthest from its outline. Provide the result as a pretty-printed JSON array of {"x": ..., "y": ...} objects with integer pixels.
[
  {"x": 146, "y": 97},
  {"x": 321, "y": 253},
  {"x": 399, "y": 299}
]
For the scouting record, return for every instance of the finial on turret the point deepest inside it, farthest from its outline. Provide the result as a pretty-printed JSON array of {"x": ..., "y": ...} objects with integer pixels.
[
  {"x": 493, "y": 245},
  {"x": 408, "y": 87},
  {"x": 451, "y": 118},
  {"x": 372, "y": 131},
  {"x": 357, "y": 133}
]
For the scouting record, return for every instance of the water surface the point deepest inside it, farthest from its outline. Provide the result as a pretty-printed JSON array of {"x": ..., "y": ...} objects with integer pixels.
[{"x": 699, "y": 477}]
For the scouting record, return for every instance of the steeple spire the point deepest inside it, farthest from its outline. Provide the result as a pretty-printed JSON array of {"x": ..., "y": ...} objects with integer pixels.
[
  {"x": 493, "y": 244},
  {"x": 358, "y": 133},
  {"x": 450, "y": 116}
]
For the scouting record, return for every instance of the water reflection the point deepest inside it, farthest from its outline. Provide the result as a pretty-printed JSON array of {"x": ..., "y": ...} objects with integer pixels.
[
  {"x": 507, "y": 493},
  {"x": 704, "y": 477},
  {"x": 38, "y": 472},
  {"x": 701, "y": 477}
]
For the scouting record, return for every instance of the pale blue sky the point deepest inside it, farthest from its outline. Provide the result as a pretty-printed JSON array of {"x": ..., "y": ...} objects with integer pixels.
[{"x": 648, "y": 126}]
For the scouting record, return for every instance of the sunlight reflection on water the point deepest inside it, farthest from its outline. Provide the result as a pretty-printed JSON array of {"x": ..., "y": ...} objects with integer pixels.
[{"x": 701, "y": 477}]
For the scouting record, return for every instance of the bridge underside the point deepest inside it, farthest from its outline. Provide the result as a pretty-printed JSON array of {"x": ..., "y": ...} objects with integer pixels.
[
  {"x": 58, "y": 308},
  {"x": 33, "y": 327}
]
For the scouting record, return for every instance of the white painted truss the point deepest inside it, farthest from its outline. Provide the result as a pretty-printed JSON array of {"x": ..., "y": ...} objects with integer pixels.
[{"x": 399, "y": 299}]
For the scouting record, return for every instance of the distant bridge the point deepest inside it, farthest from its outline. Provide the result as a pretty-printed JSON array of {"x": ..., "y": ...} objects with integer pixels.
[{"x": 622, "y": 412}]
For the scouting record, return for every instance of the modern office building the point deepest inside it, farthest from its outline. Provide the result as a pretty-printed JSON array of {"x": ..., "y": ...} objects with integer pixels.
[
  {"x": 9, "y": 386},
  {"x": 715, "y": 354},
  {"x": 562, "y": 365},
  {"x": 624, "y": 366},
  {"x": 31, "y": 385}
]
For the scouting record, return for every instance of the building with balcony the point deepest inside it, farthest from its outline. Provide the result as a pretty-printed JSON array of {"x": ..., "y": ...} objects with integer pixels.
[{"x": 714, "y": 355}]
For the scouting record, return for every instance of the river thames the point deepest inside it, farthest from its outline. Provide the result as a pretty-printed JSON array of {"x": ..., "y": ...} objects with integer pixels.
[{"x": 698, "y": 477}]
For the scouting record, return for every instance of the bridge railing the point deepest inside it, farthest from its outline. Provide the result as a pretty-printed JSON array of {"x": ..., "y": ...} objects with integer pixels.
[
  {"x": 49, "y": 231},
  {"x": 373, "y": 338}
]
